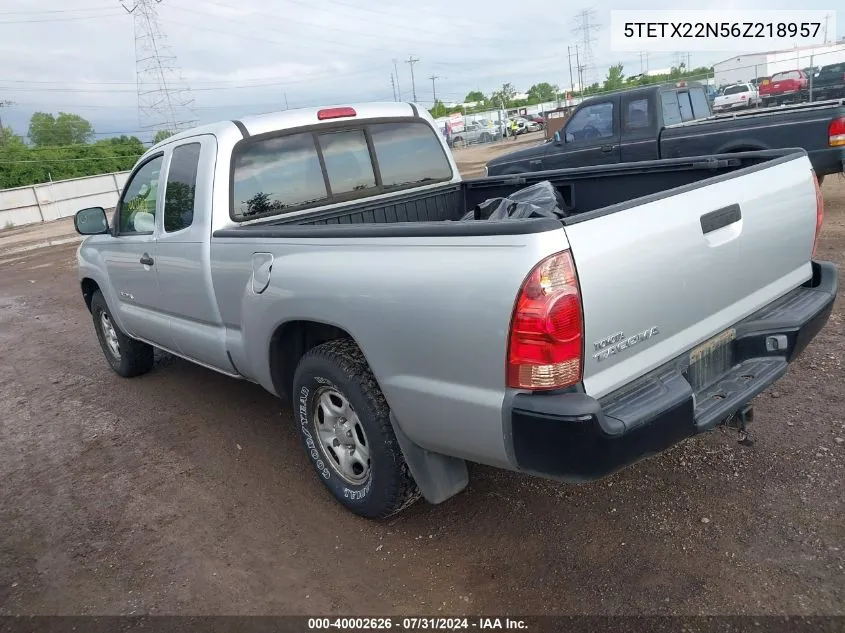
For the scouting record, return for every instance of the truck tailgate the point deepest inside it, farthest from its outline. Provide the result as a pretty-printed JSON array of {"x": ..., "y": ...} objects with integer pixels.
[{"x": 662, "y": 274}]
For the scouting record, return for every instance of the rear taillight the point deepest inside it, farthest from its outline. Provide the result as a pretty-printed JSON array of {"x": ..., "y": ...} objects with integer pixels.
[
  {"x": 545, "y": 347},
  {"x": 742, "y": 97},
  {"x": 819, "y": 213},
  {"x": 836, "y": 132}
]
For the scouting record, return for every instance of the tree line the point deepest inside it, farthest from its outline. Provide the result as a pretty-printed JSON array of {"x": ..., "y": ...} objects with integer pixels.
[
  {"x": 544, "y": 92},
  {"x": 62, "y": 147}
]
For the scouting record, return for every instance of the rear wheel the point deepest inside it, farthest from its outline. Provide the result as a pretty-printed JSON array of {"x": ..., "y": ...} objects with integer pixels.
[
  {"x": 126, "y": 356},
  {"x": 344, "y": 422}
]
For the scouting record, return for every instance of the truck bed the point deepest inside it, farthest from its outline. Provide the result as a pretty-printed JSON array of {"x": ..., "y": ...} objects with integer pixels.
[
  {"x": 803, "y": 125},
  {"x": 437, "y": 211}
]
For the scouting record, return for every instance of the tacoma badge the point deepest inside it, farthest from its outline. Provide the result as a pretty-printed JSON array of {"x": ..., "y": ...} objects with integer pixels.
[{"x": 615, "y": 343}]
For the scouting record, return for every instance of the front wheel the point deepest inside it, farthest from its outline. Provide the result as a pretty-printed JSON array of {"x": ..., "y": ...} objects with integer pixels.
[
  {"x": 344, "y": 422},
  {"x": 126, "y": 356}
]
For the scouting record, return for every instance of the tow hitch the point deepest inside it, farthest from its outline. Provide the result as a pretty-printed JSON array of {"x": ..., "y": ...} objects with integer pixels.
[{"x": 740, "y": 421}]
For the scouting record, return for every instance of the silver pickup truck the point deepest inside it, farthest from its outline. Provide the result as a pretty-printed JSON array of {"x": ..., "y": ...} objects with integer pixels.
[{"x": 326, "y": 254}]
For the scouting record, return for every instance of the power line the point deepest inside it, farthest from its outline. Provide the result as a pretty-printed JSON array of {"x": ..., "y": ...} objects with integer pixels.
[
  {"x": 68, "y": 160},
  {"x": 84, "y": 17},
  {"x": 411, "y": 61},
  {"x": 40, "y": 12},
  {"x": 379, "y": 36}
]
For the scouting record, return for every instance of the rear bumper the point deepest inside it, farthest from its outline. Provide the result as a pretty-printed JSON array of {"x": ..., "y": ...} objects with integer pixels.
[{"x": 574, "y": 437}]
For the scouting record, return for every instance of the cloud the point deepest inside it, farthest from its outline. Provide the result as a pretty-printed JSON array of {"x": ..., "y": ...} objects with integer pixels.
[{"x": 247, "y": 56}]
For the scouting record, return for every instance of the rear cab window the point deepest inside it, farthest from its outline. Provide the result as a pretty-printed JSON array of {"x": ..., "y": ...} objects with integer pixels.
[
  {"x": 671, "y": 110},
  {"x": 835, "y": 69},
  {"x": 294, "y": 171}
]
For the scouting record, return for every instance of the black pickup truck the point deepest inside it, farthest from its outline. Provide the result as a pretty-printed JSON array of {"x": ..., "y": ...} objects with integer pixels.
[
  {"x": 675, "y": 121},
  {"x": 830, "y": 82}
]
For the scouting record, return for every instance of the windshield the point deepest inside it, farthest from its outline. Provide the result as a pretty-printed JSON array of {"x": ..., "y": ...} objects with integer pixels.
[{"x": 732, "y": 90}]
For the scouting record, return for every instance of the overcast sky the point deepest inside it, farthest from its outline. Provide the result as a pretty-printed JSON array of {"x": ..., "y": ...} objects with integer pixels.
[{"x": 244, "y": 56}]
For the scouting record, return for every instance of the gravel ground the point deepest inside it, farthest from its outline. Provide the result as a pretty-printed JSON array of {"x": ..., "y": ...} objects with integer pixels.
[{"x": 185, "y": 492}]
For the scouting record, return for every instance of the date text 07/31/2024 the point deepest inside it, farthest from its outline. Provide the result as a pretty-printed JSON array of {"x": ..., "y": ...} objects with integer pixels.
[{"x": 416, "y": 624}]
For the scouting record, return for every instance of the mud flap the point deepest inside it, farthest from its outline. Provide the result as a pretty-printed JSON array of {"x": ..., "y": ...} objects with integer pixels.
[{"x": 438, "y": 476}]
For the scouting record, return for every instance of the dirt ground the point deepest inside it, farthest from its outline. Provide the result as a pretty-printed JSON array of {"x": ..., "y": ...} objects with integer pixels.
[{"x": 185, "y": 492}]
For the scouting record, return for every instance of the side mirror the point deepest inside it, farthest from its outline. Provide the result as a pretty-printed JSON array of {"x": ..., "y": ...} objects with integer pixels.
[{"x": 91, "y": 221}]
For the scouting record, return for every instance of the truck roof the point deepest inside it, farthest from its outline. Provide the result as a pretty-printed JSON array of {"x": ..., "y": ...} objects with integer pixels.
[
  {"x": 658, "y": 87},
  {"x": 300, "y": 117}
]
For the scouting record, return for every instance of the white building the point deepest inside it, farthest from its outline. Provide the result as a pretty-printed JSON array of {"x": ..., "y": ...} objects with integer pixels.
[{"x": 744, "y": 68}]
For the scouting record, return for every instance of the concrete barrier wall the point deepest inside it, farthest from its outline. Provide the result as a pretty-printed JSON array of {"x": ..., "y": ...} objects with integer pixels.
[{"x": 61, "y": 199}]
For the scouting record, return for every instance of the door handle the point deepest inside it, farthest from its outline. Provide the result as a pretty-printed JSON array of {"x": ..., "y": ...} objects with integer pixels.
[
  {"x": 535, "y": 162},
  {"x": 720, "y": 218},
  {"x": 147, "y": 260},
  {"x": 607, "y": 148}
]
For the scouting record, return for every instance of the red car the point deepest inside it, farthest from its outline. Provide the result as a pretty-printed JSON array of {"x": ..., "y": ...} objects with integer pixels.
[
  {"x": 537, "y": 119},
  {"x": 791, "y": 85}
]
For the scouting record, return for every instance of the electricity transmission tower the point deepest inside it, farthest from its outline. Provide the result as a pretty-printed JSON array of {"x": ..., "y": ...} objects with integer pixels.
[
  {"x": 4, "y": 103},
  {"x": 586, "y": 24},
  {"x": 164, "y": 103}
]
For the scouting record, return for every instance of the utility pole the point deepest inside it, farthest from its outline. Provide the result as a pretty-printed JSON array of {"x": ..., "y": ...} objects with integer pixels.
[
  {"x": 811, "y": 73},
  {"x": 398, "y": 87},
  {"x": 411, "y": 61},
  {"x": 641, "y": 61},
  {"x": 286, "y": 101},
  {"x": 393, "y": 86},
  {"x": 580, "y": 68},
  {"x": 571, "y": 81},
  {"x": 826, "y": 18},
  {"x": 433, "y": 90}
]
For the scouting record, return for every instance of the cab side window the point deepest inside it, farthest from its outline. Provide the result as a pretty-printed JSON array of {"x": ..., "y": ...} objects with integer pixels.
[
  {"x": 180, "y": 191},
  {"x": 591, "y": 122},
  {"x": 637, "y": 115},
  {"x": 137, "y": 206}
]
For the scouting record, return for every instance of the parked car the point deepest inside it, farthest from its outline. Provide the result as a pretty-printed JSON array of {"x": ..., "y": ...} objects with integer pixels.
[
  {"x": 786, "y": 87},
  {"x": 327, "y": 255},
  {"x": 674, "y": 121},
  {"x": 736, "y": 96},
  {"x": 473, "y": 133},
  {"x": 536, "y": 118},
  {"x": 830, "y": 82}
]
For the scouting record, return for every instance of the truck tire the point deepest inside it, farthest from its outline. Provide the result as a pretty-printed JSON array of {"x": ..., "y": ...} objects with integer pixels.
[
  {"x": 126, "y": 356},
  {"x": 344, "y": 422}
]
